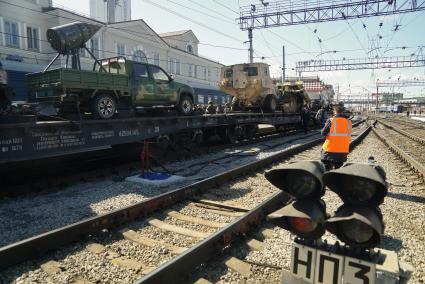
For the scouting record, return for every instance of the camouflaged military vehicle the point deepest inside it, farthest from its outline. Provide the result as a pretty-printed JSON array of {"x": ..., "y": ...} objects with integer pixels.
[
  {"x": 250, "y": 85},
  {"x": 114, "y": 84},
  {"x": 125, "y": 84}
]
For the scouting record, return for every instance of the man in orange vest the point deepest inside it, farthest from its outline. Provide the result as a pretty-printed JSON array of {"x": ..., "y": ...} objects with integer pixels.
[{"x": 337, "y": 131}]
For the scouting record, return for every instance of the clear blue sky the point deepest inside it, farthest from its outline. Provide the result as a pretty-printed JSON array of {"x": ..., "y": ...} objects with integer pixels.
[{"x": 214, "y": 22}]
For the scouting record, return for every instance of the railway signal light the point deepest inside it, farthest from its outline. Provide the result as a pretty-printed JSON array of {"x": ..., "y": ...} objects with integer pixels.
[
  {"x": 305, "y": 215},
  {"x": 362, "y": 187},
  {"x": 358, "y": 184}
]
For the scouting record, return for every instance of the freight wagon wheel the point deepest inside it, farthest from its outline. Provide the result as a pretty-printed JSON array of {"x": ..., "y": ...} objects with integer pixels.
[
  {"x": 104, "y": 106},
  {"x": 185, "y": 106}
]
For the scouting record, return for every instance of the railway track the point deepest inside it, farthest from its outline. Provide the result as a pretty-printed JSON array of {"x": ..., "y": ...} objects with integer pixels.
[
  {"x": 414, "y": 131},
  {"x": 160, "y": 240},
  {"x": 409, "y": 147},
  {"x": 403, "y": 235}
]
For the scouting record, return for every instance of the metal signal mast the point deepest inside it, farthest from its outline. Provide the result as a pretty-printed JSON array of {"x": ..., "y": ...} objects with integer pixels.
[{"x": 295, "y": 12}]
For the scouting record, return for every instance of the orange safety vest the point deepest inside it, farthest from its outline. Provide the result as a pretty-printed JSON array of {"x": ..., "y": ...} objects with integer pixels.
[{"x": 338, "y": 139}]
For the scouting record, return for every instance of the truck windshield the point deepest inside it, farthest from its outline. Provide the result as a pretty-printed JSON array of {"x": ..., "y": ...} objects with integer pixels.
[
  {"x": 114, "y": 66},
  {"x": 228, "y": 73},
  {"x": 251, "y": 71}
]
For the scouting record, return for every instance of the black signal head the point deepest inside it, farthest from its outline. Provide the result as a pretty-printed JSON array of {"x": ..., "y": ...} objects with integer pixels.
[
  {"x": 357, "y": 226},
  {"x": 300, "y": 179},
  {"x": 359, "y": 184}
]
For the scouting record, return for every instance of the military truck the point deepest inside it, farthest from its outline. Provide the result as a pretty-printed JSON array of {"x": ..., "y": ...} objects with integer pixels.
[
  {"x": 250, "y": 85},
  {"x": 113, "y": 84},
  {"x": 116, "y": 83}
]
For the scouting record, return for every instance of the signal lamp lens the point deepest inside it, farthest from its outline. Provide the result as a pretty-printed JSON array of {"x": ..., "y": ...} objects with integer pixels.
[
  {"x": 356, "y": 232},
  {"x": 303, "y": 225},
  {"x": 300, "y": 180},
  {"x": 301, "y": 184},
  {"x": 356, "y": 191}
]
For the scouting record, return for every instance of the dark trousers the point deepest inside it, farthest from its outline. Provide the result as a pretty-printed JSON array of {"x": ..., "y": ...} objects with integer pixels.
[
  {"x": 333, "y": 160},
  {"x": 305, "y": 126}
]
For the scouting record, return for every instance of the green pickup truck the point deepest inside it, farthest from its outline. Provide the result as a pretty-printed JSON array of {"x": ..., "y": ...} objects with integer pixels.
[{"x": 115, "y": 83}]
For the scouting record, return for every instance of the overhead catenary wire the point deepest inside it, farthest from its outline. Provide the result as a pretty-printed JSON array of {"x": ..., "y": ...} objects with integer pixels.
[
  {"x": 114, "y": 28},
  {"x": 200, "y": 12},
  {"x": 227, "y": 7},
  {"x": 212, "y": 10},
  {"x": 192, "y": 21}
]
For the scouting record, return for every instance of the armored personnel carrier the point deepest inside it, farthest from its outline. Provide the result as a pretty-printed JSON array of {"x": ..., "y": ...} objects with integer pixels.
[
  {"x": 250, "y": 85},
  {"x": 292, "y": 97}
]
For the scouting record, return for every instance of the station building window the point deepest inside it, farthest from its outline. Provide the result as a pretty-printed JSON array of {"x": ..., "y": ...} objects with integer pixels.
[
  {"x": 189, "y": 48},
  {"x": 190, "y": 70},
  {"x": 94, "y": 46},
  {"x": 178, "y": 66},
  {"x": 120, "y": 49},
  {"x": 171, "y": 64},
  {"x": 11, "y": 33},
  {"x": 82, "y": 52},
  {"x": 32, "y": 38},
  {"x": 140, "y": 56},
  {"x": 156, "y": 59}
]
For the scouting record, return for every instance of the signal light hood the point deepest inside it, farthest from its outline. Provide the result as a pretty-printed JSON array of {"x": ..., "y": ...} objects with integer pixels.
[
  {"x": 341, "y": 179},
  {"x": 314, "y": 210},
  {"x": 368, "y": 216},
  {"x": 286, "y": 177}
]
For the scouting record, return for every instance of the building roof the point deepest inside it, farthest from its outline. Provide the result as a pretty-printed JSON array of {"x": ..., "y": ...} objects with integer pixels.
[
  {"x": 160, "y": 36},
  {"x": 175, "y": 33},
  {"x": 179, "y": 33}
]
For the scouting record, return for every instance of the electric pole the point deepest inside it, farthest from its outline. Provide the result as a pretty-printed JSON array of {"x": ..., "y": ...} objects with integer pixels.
[
  {"x": 283, "y": 64},
  {"x": 251, "y": 48}
]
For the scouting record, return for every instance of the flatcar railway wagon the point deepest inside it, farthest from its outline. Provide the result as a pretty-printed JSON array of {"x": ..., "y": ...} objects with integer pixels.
[{"x": 42, "y": 139}]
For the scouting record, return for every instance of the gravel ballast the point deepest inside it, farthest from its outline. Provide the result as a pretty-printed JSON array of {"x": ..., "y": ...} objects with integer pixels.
[
  {"x": 26, "y": 216},
  {"x": 247, "y": 192},
  {"x": 404, "y": 217}
]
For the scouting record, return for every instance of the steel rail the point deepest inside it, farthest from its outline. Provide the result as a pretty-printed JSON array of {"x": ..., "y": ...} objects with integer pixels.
[
  {"x": 420, "y": 168},
  {"x": 404, "y": 133},
  {"x": 177, "y": 269},
  {"x": 38, "y": 245}
]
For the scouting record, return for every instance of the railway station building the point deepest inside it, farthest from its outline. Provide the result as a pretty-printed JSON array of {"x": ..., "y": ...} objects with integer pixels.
[{"x": 24, "y": 47}]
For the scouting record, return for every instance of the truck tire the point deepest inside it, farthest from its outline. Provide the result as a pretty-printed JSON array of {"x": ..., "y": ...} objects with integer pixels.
[
  {"x": 185, "y": 106},
  {"x": 104, "y": 106},
  {"x": 270, "y": 104}
]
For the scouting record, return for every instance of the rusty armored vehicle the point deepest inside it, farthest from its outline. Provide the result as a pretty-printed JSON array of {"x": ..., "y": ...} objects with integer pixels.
[
  {"x": 292, "y": 97},
  {"x": 250, "y": 85}
]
